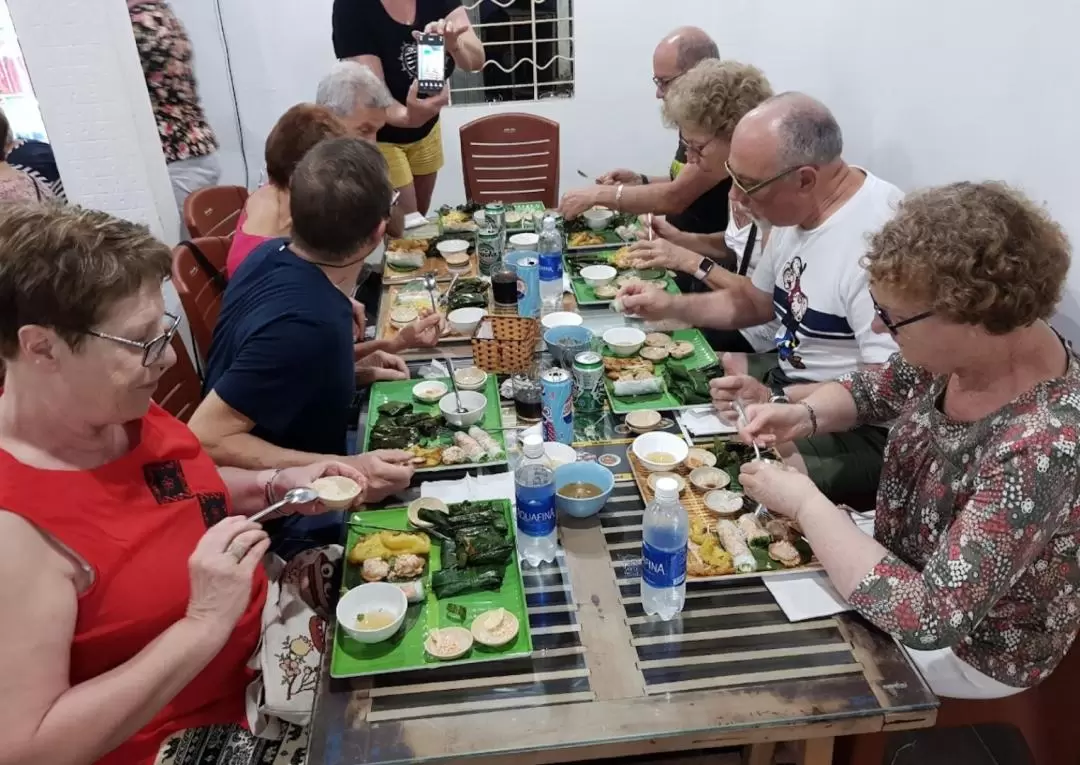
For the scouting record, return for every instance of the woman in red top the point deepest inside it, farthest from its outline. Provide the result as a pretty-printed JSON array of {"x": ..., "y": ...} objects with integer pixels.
[{"x": 131, "y": 588}]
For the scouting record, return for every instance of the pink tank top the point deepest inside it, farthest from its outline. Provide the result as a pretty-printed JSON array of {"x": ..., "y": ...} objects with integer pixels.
[{"x": 242, "y": 245}]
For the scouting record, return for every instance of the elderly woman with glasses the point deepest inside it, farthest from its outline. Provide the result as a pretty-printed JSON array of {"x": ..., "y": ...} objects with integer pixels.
[
  {"x": 129, "y": 573},
  {"x": 973, "y": 563}
]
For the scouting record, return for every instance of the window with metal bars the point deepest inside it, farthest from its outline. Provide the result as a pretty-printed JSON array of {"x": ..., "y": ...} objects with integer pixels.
[{"x": 529, "y": 51}]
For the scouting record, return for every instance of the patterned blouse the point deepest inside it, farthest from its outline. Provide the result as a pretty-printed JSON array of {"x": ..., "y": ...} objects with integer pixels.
[
  {"x": 165, "y": 51},
  {"x": 981, "y": 520}
]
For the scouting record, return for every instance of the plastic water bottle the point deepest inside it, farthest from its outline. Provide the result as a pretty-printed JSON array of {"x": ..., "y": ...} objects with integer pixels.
[
  {"x": 534, "y": 482},
  {"x": 550, "y": 250},
  {"x": 666, "y": 530}
]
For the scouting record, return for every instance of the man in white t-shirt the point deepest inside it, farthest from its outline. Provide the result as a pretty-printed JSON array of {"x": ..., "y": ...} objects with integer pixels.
[{"x": 787, "y": 168}]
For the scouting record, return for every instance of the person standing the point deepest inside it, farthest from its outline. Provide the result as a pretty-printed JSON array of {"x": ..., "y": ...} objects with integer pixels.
[
  {"x": 383, "y": 36},
  {"x": 16, "y": 185},
  {"x": 187, "y": 140}
]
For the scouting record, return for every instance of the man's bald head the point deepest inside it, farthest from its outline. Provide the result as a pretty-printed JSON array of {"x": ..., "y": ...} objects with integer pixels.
[
  {"x": 799, "y": 130},
  {"x": 679, "y": 52}
]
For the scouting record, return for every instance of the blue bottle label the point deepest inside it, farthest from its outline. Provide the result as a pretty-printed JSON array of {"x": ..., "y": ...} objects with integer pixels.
[
  {"x": 536, "y": 518},
  {"x": 550, "y": 266},
  {"x": 663, "y": 568}
]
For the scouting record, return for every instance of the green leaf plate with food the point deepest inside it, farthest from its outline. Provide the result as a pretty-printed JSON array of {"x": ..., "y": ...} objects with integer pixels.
[
  {"x": 586, "y": 295},
  {"x": 399, "y": 418},
  {"x": 470, "y": 579},
  {"x": 653, "y": 379}
]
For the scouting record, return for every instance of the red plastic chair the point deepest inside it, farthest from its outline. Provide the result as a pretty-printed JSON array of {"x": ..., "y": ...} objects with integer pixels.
[
  {"x": 201, "y": 287},
  {"x": 179, "y": 390},
  {"x": 511, "y": 158},
  {"x": 214, "y": 210}
]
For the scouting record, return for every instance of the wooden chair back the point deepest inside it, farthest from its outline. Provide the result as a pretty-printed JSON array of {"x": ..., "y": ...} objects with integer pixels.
[
  {"x": 511, "y": 158},
  {"x": 214, "y": 210},
  {"x": 201, "y": 286},
  {"x": 179, "y": 390}
]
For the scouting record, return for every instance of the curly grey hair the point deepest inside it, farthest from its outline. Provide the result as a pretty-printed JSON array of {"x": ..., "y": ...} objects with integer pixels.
[{"x": 350, "y": 84}]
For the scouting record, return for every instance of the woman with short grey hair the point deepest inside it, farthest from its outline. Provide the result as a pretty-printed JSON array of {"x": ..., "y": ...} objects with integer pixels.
[{"x": 357, "y": 97}]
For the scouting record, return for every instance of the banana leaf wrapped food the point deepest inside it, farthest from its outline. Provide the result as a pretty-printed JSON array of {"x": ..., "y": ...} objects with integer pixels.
[{"x": 447, "y": 582}]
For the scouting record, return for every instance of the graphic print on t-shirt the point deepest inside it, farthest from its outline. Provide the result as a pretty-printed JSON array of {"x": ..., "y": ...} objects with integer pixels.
[
  {"x": 797, "y": 318},
  {"x": 407, "y": 59}
]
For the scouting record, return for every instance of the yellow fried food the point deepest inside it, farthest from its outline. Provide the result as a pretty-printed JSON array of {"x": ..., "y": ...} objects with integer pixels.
[
  {"x": 585, "y": 239},
  {"x": 387, "y": 544},
  {"x": 408, "y": 245},
  {"x": 716, "y": 557},
  {"x": 622, "y": 259},
  {"x": 699, "y": 531}
]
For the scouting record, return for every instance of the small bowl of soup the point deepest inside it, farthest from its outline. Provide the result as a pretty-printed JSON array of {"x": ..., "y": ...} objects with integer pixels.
[
  {"x": 660, "y": 452},
  {"x": 582, "y": 488},
  {"x": 373, "y": 612}
]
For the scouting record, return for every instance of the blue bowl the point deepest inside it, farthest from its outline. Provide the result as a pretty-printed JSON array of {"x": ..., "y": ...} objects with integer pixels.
[
  {"x": 583, "y": 472},
  {"x": 564, "y": 354}
]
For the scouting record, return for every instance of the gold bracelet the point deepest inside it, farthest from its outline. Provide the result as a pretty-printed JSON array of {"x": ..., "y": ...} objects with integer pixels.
[{"x": 268, "y": 490}]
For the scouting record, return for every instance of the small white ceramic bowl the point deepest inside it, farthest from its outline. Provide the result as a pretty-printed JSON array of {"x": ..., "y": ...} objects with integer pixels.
[
  {"x": 598, "y": 219},
  {"x": 699, "y": 457},
  {"x": 373, "y": 596},
  {"x": 452, "y": 247},
  {"x": 429, "y": 391},
  {"x": 598, "y": 276},
  {"x": 464, "y": 320},
  {"x": 652, "y": 443},
  {"x": 559, "y": 453},
  {"x": 654, "y": 477},
  {"x": 724, "y": 502},
  {"x": 336, "y": 492},
  {"x": 470, "y": 378},
  {"x": 624, "y": 341},
  {"x": 429, "y": 503},
  {"x": 561, "y": 319},
  {"x": 474, "y": 404},
  {"x": 643, "y": 420},
  {"x": 524, "y": 241},
  {"x": 709, "y": 478}
]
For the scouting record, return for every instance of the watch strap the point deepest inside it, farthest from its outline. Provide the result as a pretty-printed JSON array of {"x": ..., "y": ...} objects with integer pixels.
[{"x": 704, "y": 268}]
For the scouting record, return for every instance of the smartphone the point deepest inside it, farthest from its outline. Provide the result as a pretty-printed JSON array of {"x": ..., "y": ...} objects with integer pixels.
[{"x": 431, "y": 64}]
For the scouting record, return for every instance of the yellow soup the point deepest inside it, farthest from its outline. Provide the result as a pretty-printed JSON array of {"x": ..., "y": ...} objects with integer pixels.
[
  {"x": 374, "y": 620},
  {"x": 660, "y": 458},
  {"x": 580, "y": 490}
]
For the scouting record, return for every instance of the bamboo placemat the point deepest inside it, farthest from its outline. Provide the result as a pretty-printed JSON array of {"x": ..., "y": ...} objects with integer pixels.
[
  {"x": 432, "y": 264},
  {"x": 385, "y": 330}
]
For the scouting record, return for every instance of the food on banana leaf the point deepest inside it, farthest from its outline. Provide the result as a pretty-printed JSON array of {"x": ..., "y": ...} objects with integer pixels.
[
  {"x": 385, "y": 545},
  {"x": 639, "y": 386},
  {"x": 735, "y": 544},
  {"x": 467, "y": 293},
  {"x": 449, "y": 582},
  {"x": 786, "y": 553},
  {"x": 691, "y": 386},
  {"x": 755, "y": 535}
]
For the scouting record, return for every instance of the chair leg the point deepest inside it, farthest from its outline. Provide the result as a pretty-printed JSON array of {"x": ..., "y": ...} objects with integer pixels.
[
  {"x": 759, "y": 754},
  {"x": 867, "y": 749},
  {"x": 818, "y": 751}
]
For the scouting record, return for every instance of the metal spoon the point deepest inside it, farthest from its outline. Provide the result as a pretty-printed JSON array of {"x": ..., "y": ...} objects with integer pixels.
[
  {"x": 301, "y": 495},
  {"x": 431, "y": 285},
  {"x": 760, "y": 512},
  {"x": 453, "y": 383}
]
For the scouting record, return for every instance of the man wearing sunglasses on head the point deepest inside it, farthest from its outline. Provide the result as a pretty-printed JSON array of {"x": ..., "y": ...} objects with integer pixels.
[
  {"x": 693, "y": 199},
  {"x": 786, "y": 168}
]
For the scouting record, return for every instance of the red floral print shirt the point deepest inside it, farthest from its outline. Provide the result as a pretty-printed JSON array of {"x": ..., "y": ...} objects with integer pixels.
[
  {"x": 981, "y": 520},
  {"x": 165, "y": 52}
]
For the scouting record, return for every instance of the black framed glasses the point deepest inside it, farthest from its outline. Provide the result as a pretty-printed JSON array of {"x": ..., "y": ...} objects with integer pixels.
[
  {"x": 891, "y": 325},
  {"x": 749, "y": 188},
  {"x": 152, "y": 350}
]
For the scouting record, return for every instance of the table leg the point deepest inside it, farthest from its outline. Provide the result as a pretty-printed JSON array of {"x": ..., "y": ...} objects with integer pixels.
[
  {"x": 759, "y": 754},
  {"x": 817, "y": 751}
]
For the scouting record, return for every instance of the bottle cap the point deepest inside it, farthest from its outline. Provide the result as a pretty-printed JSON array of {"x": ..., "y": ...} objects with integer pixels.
[
  {"x": 533, "y": 446},
  {"x": 667, "y": 489}
]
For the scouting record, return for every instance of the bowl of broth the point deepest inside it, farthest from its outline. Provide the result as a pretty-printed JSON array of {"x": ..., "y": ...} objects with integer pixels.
[
  {"x": 582, "y": 488},
  {"x": 373, "y": 612},
  {"x": 660, "y": 452}
]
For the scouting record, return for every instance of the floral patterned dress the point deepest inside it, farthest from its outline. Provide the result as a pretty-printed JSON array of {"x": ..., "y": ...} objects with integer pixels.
[
  {"x": 165, "y": 52},
  {"x": 982, "y": 521}
]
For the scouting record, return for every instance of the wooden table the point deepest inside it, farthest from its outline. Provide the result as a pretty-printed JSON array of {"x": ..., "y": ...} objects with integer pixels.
[{"x": 606, "y": 681}]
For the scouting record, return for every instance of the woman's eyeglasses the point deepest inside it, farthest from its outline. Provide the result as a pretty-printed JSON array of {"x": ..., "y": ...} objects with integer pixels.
[
  {"x": 152, "y": 350},
  {"x": 891, "y": 325}
]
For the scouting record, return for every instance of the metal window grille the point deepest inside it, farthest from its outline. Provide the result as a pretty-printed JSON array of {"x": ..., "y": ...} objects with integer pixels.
[{"x": 529, "y": 51}]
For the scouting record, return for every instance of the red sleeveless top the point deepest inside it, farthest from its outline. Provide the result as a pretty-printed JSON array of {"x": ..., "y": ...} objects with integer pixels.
[{"x": 136, "y": 521}]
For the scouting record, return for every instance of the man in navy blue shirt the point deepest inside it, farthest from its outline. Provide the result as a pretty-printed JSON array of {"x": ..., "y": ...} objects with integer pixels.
[{"x": 281, "y": 374}]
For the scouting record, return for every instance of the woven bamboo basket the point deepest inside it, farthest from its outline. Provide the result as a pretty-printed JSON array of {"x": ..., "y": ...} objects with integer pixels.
[{"x": 505, "y": 344}]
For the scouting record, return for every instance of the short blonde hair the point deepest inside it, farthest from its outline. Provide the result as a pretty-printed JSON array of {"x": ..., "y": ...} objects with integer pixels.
[
  {"x": 64, "y": 267},
  {"x": 714, "y": 96},
  {"x": 975, "y": 253}
]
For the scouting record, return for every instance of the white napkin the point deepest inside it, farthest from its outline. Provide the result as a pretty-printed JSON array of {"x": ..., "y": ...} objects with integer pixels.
[
  {"x": 805, "y": 596},
  {"x": 475, "y": 488},
  {"x": 415, "y": 220},
  {"x": 703, "y": 421}
]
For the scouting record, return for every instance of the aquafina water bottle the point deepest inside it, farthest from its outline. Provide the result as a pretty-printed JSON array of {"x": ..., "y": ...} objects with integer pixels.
[
  {"x": 665, "y": 533},
  {"x": 534, "y": 482}
]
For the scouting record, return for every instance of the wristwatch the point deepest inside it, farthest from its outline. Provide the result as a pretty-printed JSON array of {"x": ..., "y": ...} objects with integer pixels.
[
  {"x": 644, "y": 179},
  {"x": 704, "y": 267}
]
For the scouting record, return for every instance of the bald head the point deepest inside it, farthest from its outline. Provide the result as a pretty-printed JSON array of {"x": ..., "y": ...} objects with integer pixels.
[
  {"x": 687, "y": 46},
  {"x": 799, "y": 130}
]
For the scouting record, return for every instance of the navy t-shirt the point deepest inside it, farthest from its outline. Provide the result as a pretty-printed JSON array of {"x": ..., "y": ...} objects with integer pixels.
[{"x": 282, "y": 352}]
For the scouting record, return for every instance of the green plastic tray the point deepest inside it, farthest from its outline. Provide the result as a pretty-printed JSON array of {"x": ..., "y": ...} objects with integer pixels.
[
  {"x": 584, "y": 294},
  {"x": 703, "y": 356},
  {"x": 401, "y": 390},
  {"x": 405, "y": 651}
]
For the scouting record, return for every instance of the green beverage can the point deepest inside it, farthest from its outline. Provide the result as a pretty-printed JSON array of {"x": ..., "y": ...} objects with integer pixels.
[
  {"x": 588, "y": 382},
  {"x": 489, "y": 247},
  {"x": 495, "y": 214}
]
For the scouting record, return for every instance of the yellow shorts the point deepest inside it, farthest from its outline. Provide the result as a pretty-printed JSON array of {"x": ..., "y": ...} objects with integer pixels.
[{"x": 423, "y": 157}]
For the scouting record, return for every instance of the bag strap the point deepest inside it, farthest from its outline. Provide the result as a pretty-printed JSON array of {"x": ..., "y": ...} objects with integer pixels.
[
  {"x": 216, "y": 277},
  {"x": 748, "y": 250}
]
